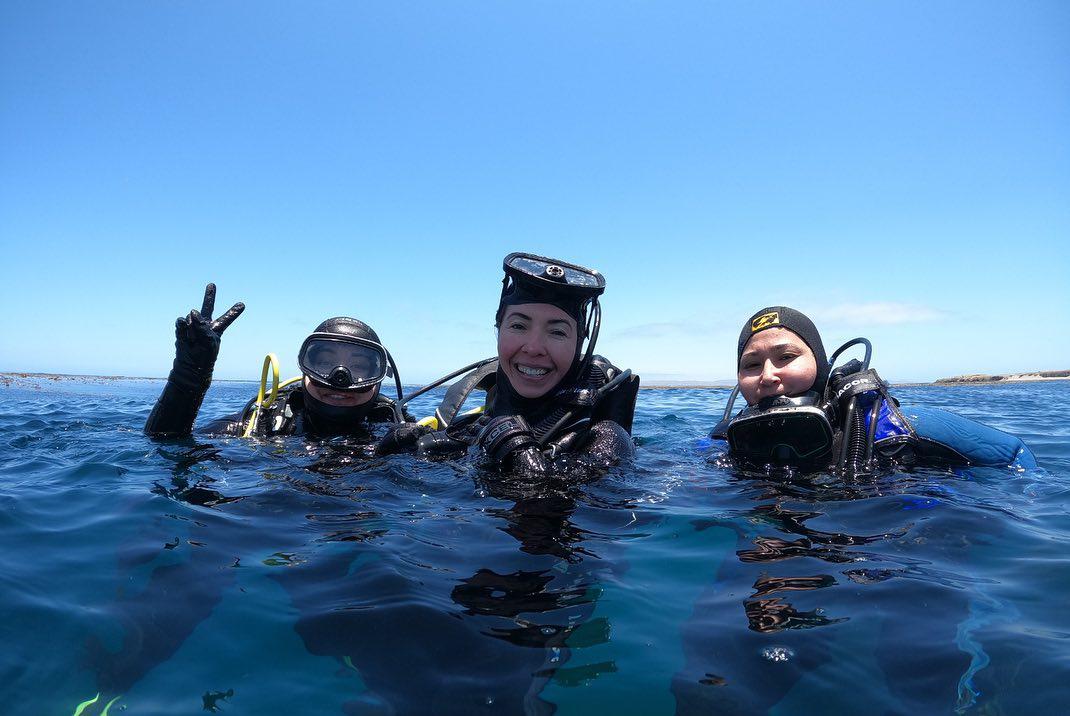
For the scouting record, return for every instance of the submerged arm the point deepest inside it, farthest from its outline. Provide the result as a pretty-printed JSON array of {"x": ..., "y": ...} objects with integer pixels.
[
  {"x": 606, "y": 444},
  {"x": 509, "y": 443}
]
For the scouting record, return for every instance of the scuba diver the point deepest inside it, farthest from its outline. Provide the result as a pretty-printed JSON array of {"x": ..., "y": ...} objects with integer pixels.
[
  {"x": 342, "y": 362},
  {"x": 802, "y": 413},
  {"x": 552, "y": 406}
]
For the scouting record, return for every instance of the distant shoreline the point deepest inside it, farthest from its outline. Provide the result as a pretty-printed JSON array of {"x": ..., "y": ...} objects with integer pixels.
[
  {"x": 1040, "y": 376},
  {"x": 10, "y": 377},
  {"x": 982, "y": 379}
]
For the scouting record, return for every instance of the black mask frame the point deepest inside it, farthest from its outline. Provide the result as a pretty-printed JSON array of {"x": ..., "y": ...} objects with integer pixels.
[
  {"x": 388, "y": 366},
  {"x": 794, "y": 431}
]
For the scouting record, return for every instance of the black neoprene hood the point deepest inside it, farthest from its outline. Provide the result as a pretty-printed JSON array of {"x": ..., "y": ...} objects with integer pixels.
[{"x": 796, "y": 322}]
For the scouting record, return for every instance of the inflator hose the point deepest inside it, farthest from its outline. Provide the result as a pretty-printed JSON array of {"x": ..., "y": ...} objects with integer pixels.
[
  {"x": 853, "y": 450},
  {"x": 856, "y": 450}
]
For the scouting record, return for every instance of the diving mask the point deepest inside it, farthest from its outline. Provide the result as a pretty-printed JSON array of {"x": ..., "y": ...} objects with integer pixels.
[
  {"x": 343, "y": 362},
  {"x": 782, "y": 430},
  {"x": 554, "y": 275}
]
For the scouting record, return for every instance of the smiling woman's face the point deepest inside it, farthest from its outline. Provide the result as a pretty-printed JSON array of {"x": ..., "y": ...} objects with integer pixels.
[
  {"x": 776, "y": 362},
  {"x": 536, "y": 347}
]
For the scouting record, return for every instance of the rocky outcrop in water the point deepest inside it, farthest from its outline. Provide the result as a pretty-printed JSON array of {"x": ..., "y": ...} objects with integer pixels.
[{"x": 1009, "y": 378}]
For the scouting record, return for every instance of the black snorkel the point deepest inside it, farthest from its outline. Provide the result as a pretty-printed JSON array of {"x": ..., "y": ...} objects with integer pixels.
[{"x": 395, "y": 405}]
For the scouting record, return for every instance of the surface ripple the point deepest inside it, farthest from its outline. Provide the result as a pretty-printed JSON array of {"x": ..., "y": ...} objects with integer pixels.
[{"x": 282, "y": 576}]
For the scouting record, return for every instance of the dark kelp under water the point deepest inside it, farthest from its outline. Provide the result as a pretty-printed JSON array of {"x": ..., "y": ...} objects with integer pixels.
[{"x": 243, "y": 577}]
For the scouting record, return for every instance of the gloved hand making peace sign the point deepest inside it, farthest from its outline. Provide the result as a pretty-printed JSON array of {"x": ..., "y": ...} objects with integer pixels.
[
  {"x": 197, "y": 341},
  {"x": 196, "y": 348}
]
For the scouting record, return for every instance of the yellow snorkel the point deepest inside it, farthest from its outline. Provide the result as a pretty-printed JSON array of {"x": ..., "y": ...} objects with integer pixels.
[{"x": 270, "y": 361}]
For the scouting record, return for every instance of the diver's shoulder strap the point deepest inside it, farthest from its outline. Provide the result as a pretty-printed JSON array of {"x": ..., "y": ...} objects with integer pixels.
[
  {"x": 720, "y": 430},
  {"x": 844, "y": 387},
  {"x": 481, "y": 378},
  {"x": 604, "y": 393},
  {"x": 945, "y": 437},
  {"x": 617, "y": 404}
]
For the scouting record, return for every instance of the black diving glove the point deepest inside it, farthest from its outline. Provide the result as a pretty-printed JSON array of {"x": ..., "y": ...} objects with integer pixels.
[
  {"x": 504, "y": 435},
  {"x": 196, "y": 349},
  {"x": 197, "y": 342},
  {"x": 401, "y": 438},
  {"x": 439, "y": 443}
]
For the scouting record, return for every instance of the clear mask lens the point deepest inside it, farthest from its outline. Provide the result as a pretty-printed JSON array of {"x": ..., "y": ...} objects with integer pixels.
[{"x": 345, "y": 364}]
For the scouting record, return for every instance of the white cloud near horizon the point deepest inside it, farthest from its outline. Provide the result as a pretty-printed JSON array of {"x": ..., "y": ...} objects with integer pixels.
[{"x": 881, "y": 313}]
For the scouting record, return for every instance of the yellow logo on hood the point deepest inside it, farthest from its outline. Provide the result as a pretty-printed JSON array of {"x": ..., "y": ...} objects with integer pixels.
[{"x": 764, "y": 321}]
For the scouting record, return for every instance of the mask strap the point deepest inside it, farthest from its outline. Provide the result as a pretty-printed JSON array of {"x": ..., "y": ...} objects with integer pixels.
[
  {"x": 731, "y": 402},
  {"x": 594, "y": 318},
  {"x": 397, "y": 374}
]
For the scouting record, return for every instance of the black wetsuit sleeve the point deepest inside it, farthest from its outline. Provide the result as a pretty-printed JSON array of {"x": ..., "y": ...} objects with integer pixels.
[
  {"x": 175, "y": 412},
  {"x": 577, "y": 456},
  {"x": 451, "y": 442},
  {"x": 177, "y": 406},
  {"x": 196, "y": 348},
  {"x": 606, "y": 444}
]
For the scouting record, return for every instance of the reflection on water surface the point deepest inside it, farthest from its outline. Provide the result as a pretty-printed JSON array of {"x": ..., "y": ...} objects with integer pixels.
[{"x": 244, "y": 577}]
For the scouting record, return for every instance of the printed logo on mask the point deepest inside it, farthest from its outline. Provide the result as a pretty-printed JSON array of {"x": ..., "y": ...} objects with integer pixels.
[{"x": 764, "y": 321}]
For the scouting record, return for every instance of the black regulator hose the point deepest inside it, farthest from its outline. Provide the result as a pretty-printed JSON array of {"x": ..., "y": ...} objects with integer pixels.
[
  {"x": 874, "y": 416},
  {"x": 853, "y": 448},
  {"x": 857, "y": 448}
]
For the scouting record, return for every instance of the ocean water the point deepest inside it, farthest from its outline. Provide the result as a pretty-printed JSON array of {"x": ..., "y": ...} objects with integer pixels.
[{"x": 282, "y": 577}]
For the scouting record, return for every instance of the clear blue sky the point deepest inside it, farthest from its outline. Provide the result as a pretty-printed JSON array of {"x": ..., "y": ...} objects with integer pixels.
[{"x": 899, "y": 170}]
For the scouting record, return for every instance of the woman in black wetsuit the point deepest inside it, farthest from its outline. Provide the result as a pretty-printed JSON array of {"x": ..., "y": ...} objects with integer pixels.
[{"x": 552, "y": 406}]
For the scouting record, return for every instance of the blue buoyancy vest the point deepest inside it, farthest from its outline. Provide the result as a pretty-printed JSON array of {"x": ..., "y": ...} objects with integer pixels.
[{"x": 934, "y": 435}]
